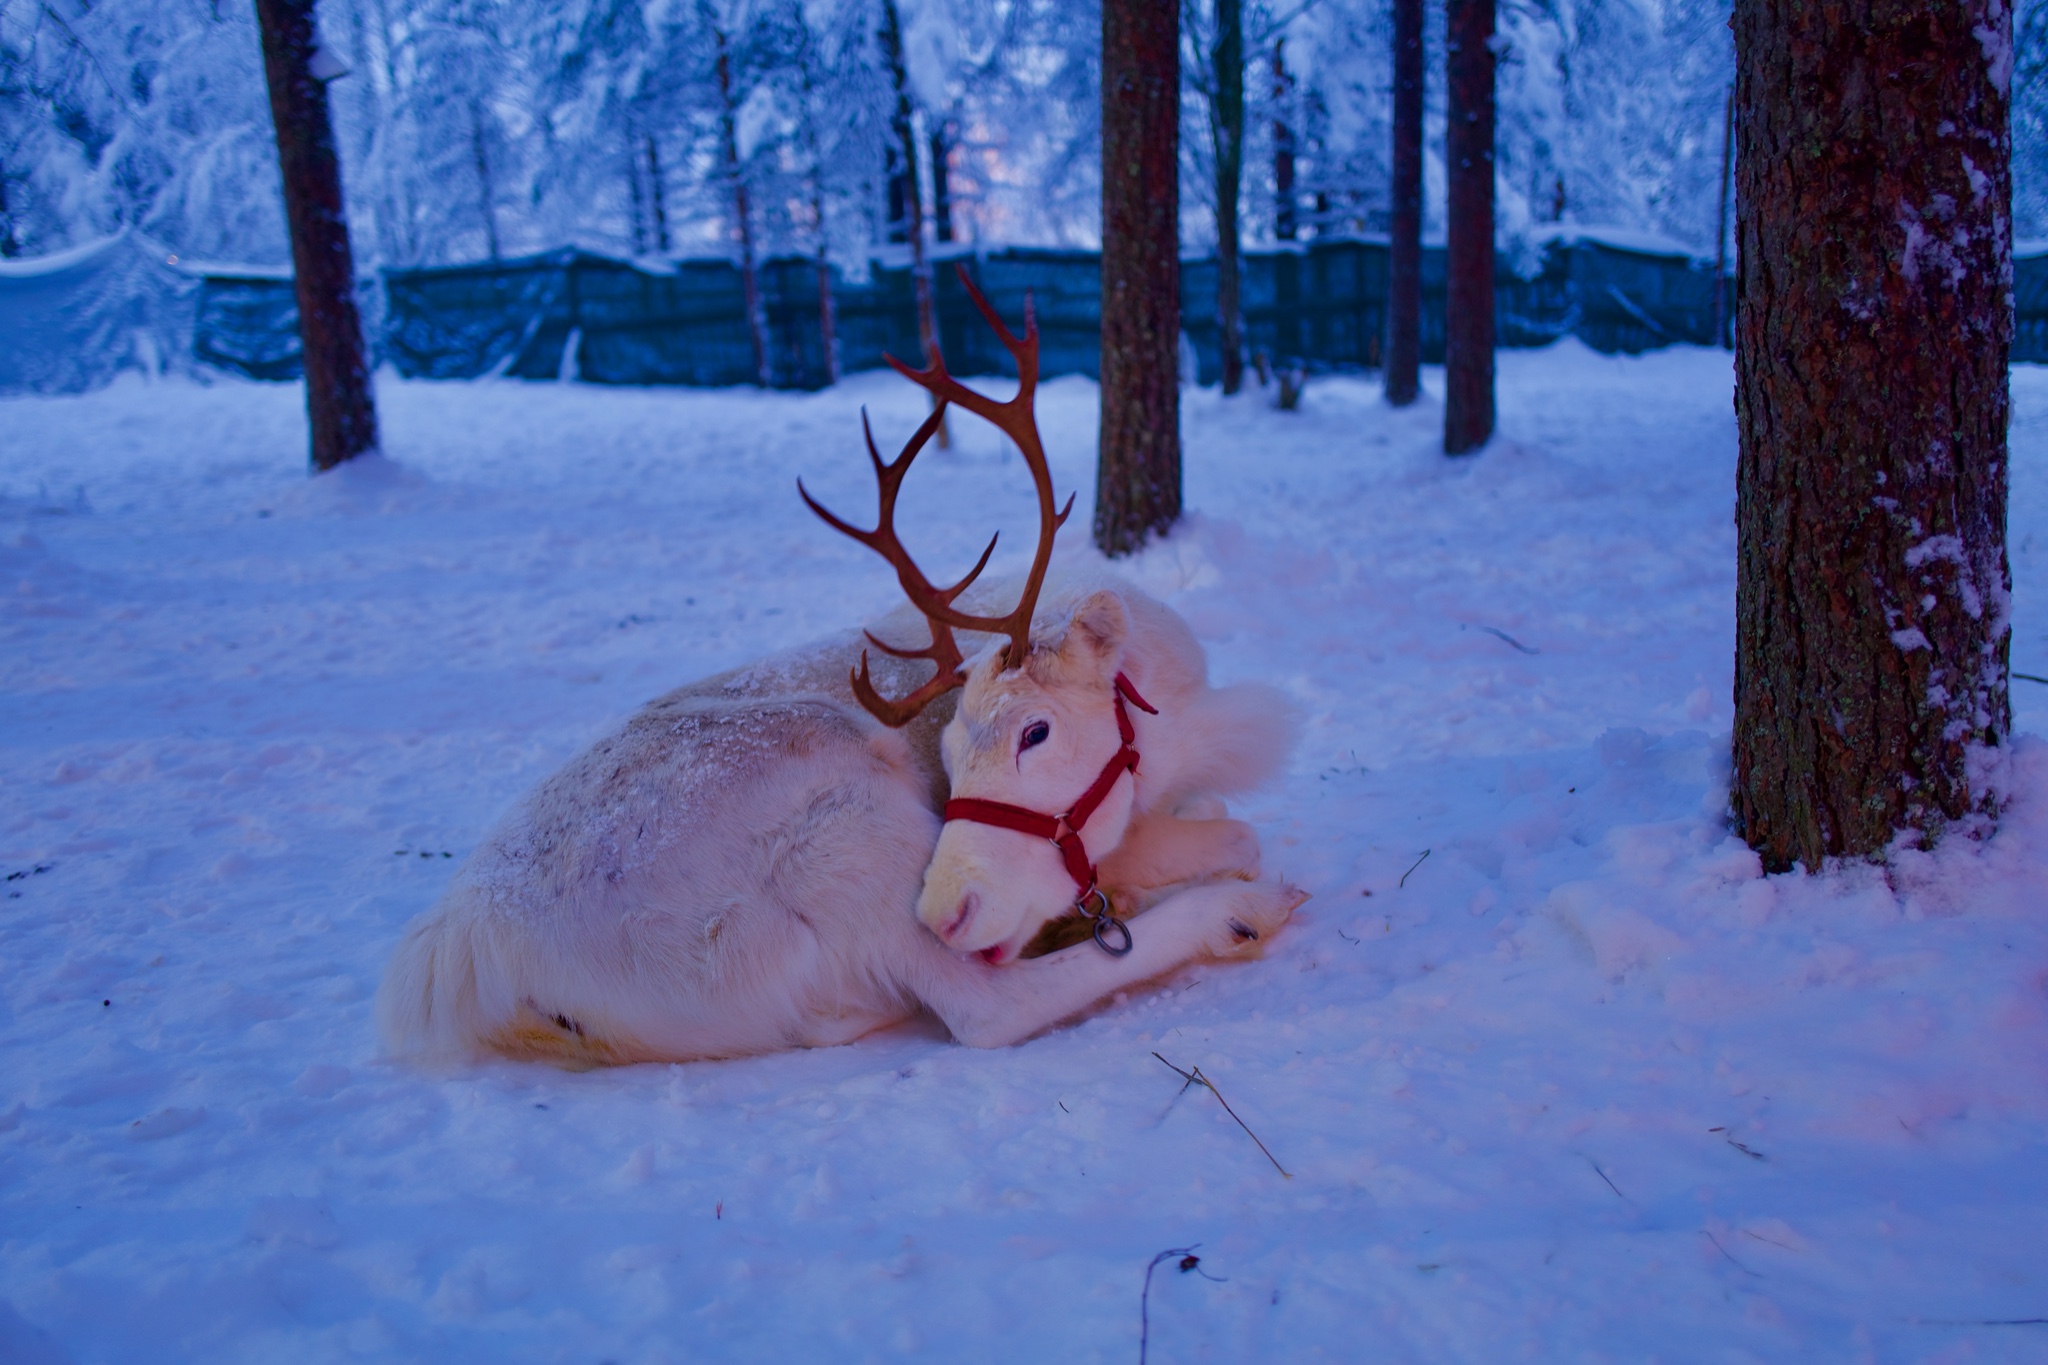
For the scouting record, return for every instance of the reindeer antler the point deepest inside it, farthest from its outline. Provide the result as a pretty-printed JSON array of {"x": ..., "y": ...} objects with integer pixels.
[
  {"x": 944, "y": 650},
  {"x": 1014, "y": 419}
]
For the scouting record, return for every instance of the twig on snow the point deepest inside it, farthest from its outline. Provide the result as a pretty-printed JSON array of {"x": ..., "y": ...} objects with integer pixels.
[
  {"x": 1731, "y": 1260},
  {"x": 1503, "y": 635},
  {"x": 2030, "y": 677},
  {"x": 1196, "y": 1077},
  {"x": 1145, "y": 1298},
  {"x": 1411, "y": 868},
  {"x": 1610, "y": 1184}
]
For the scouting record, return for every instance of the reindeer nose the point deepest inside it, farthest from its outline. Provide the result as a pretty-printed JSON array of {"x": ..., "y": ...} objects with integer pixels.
[{"x": 963, "y": 915}]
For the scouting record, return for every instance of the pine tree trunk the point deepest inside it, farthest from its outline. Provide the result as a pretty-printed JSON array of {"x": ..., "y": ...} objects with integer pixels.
[
  {"x": 1468, "y": 305},
  {"x": 828, "y": 319},
  {"x": 828, "y": 309},
  {"x": 904, "y": 126},
  {"x": 942, "y": 193},
  {"x": 1404, "y": 253},
  {"x": 1872, "y": 315},
  {"x": 1137, "y": 482},
  {"x": 1721, "y": 335},
  {"x": 1226, "y": 128},
  {"x": 743, "y": 217},
  {"x": 658, "y": 196},
  {"x": 638, "y": 198},
  {"x": 828, "y": 313},
  {"x": 1286, "y": 219},
  {"x": 339, "y": 407},
  {"x": 10, "y": 245},
  {"x": 487, "y": 194}
]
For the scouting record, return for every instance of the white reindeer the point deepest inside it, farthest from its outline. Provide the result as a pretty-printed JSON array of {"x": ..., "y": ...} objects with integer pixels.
[{"x": 744, "y": 865}]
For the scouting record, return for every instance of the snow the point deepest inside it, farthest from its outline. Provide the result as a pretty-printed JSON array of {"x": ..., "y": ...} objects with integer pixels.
[
  {"x": 72, "y": 320},
  {"x": 1620, "y": 238},
  {"x": 234, "y": 270},
  {"x": 1555, "y": 1072},
  {"x": 58, "y": 262}
]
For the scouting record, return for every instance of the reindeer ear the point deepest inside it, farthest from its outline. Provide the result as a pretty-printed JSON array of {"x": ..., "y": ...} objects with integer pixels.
[{"x": 1096, "y": 633}]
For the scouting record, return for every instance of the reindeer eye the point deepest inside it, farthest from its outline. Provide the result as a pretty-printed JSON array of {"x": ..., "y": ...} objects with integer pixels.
[{"x": 1034, "y": 734}]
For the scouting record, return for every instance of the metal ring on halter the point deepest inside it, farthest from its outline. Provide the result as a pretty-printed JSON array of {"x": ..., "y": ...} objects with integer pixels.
[{"x": 1105, "y": 923}]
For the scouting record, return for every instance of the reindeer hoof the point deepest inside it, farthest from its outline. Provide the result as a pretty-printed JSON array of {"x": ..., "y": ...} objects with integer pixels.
[{"x": 1255, "y": 914}]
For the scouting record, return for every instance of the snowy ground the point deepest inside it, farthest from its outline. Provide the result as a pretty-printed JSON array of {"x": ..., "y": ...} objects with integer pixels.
[{"x": 1578, "y": 1084}]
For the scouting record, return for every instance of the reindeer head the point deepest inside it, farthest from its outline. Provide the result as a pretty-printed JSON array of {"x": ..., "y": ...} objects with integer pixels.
[
  {"x": 1038, "y": 718},
  {"x": 1031, "y": 738}
]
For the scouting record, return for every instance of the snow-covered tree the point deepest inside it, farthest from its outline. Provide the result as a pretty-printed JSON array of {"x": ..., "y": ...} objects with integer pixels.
[
  {"x": 145, "y": 114},
  {"x": 594, "y": 122}
]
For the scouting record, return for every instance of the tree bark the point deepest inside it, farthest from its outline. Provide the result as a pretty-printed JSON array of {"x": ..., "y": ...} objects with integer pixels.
[
  {"x": 942, "y": 194},
  {"x": 1286, "y": 220},
  {"x": 1721, "y": 336},
  {"x": 743, "y": 217},
  {"x": 1404, "y": 253},
  {"x": 828, "y": 319},
  {"x": 487, "y": 194},
  {"x": 904, "y": 126},
  {"x": 828, "y": 315},
  {"x": 339, "y": 407},
  {"x": 1137, "y": 483},
  {"x": 828, "y": 309},
  {"x": 657, "y": 195},
  {"x": 1873, "y": 322},
  {"x": 638, "y": 197},
  {"x": 1226, "y": 134},
  {"x": 10, "y": 245},
  {"x": 1468, "y": 306}
]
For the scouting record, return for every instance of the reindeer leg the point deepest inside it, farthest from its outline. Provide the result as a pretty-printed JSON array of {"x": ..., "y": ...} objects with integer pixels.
[
  {"x": 988, "y": 1006},
  {"x": 1160, "y": 850}
]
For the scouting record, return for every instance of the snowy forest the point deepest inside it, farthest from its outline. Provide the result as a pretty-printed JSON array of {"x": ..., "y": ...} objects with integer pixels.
[
  {"x": 472, "y": 130},
  {"x": 1483, "y": 799}
]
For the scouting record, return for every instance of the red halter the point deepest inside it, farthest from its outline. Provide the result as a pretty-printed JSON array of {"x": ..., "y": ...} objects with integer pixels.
[{"x": 1064, "y": 831}]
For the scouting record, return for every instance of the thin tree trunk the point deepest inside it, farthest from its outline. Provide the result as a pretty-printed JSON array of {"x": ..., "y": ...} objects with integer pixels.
[
  {"x": 904, "y": 127},
  {"x": 1721, "y": 336},
  {"x": 828, "y": 313},
  {"x": 1226, "y": 132},
  {"x": 901, "y": 191},
  {"x": 1289, "y": 345},
  {"x": 486, "y": 194},
  {"x": 828, "y": 318},
  {"x": 657, "y": 196},
  {"x": 339, "y": 407},
  {"x": 1404, "y": 248},
  {"x": 1872, "y": 329},
  {"x": 1137, "y": 482},
  {"x": 750, "y": 282},
  {"x": 1468, "y": 306},
  {"x": 942, "y": 195},
  {"x": 1286, "y": 220},
  {"x": 639, "y": 199},
  {"x": 10, "y": 245}
]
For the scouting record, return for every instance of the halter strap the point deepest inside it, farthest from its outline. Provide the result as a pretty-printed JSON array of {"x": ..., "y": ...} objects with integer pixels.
[{"x": 1064, "y": 830}]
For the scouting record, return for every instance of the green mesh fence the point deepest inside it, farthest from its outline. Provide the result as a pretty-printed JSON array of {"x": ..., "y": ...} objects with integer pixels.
[{"x": 573, "y": 314}]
